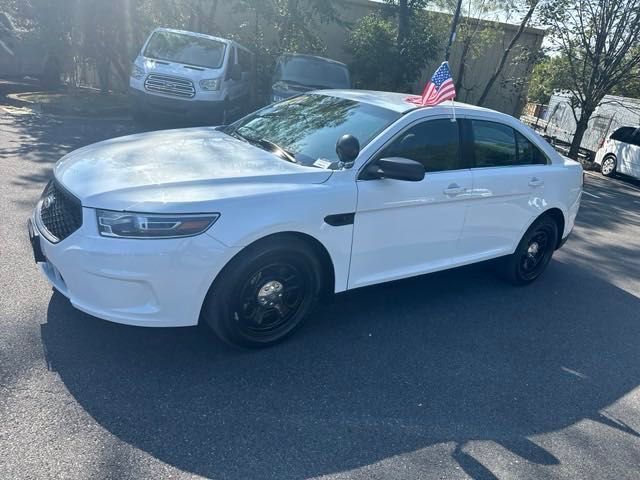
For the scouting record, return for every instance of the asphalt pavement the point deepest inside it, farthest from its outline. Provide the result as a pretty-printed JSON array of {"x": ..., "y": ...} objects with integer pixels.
[{"x": 451, "y": 375}]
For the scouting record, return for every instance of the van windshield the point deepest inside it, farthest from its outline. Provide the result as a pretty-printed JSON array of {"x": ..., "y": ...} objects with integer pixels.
[
  {"x": 312, "y": 72},
  {"x": 187, "y": 49}
]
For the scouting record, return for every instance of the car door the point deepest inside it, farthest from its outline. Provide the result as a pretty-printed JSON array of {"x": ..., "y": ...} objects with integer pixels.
[
  {"x": 508, "y": 188},
  {"x": 631, "y": 154},
  {"x": 623, "y": 149},
  {"x": 406, "y": 228}
]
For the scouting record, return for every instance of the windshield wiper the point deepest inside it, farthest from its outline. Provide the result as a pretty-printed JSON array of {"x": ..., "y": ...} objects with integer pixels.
[
  {"x": 265, "y": 144},
  {"x": 274, "y": 147}
]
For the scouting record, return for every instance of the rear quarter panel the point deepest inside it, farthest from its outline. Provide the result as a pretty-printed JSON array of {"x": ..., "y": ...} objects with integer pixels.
[{"x": 562, "y": 190}]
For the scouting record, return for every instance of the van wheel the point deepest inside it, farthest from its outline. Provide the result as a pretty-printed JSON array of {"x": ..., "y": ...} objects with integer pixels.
[
  {"x": 608, "y": 167},
  {"x": 264, "y": 294},
  {"x": 533, "y": 253}
]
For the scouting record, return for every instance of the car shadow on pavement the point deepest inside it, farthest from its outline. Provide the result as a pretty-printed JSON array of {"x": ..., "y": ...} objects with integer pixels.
[{"x": 456, "y": 356}]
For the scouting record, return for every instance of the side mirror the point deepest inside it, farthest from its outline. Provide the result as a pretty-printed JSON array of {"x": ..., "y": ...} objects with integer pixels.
[
  {"x": 236, "y": 72},
  {"x": 396, "y": 168},
  {"x": 348, "y": 148}
]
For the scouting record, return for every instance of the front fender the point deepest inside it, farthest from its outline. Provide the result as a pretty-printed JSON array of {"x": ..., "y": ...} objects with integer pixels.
[{"x": 299, "y": 211}]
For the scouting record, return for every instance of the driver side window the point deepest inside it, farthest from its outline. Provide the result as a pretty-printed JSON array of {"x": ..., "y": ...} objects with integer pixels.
[{"x": 434, "y": 143}]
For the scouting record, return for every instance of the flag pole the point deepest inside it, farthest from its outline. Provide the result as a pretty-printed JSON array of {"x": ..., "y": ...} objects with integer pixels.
[{"x": 452, "y": 38}]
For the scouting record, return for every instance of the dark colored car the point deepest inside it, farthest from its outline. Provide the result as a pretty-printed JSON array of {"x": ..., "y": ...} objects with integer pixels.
[{"x": 297, "y": 73}]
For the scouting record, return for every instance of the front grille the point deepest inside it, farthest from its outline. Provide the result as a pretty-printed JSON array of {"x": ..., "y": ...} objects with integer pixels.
[
  {"x": 60, "y": 212},
  {"x": 167, "y": 85}
]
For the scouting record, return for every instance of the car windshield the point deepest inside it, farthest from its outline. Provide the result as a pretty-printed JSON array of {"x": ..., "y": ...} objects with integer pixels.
[
  {"x": 312, "y": 72},
  {"x": 307, "y": 127},
  {"x": 187, "y": 49}
]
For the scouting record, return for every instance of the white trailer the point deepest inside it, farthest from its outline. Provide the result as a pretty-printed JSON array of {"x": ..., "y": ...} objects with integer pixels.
[{"x": 559, "y": 124}]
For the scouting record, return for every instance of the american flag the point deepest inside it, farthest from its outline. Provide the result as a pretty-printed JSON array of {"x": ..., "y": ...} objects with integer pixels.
[{"x": 439, "y": 89}]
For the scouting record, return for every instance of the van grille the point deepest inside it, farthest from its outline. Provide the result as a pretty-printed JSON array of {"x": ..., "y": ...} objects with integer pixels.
[
  {"x": 167, "y": 85},
  {"x": 60, "y": 212}
]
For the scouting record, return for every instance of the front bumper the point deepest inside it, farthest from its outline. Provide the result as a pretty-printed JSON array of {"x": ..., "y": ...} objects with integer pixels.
[
  {"x": 153, "y": 283},
  {"x": 142, "y": 101}
]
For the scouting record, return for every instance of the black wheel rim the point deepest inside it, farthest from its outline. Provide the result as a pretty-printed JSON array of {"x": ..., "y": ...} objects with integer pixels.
[
  {"x": 269, "y": 302},
  {"x": 537, "y": 253}
]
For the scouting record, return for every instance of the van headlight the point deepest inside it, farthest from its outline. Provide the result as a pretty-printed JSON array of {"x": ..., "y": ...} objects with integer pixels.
[
  {"x": 210, "y": 84},
  {"x": 152, "y": 225},
  {"x": 137, "y": 72}
]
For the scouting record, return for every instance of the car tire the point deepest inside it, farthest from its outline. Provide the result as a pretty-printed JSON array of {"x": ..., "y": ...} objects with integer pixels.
[
  {"x": 264, "y": 294},
  {"x": 533, "y": 253},
  {"x": 608, "y": 167}
]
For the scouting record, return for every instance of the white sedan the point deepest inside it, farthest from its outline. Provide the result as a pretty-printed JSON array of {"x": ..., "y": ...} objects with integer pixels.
[{"x": 247, "y": 226}]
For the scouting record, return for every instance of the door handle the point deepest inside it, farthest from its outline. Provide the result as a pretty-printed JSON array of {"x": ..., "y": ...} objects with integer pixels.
[
  {"x": 454, "y": 189},
  {"x": 536, "y": 182}
]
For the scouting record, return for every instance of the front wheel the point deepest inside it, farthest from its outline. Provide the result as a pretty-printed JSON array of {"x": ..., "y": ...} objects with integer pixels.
[
  {"x": 264, "y": 295},
  {"x": 533, "y": 253},
  {"x": 608, "y": 167}
]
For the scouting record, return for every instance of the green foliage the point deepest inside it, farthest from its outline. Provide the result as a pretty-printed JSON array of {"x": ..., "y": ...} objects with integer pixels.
[
  {"x": 629, "y": 86},
  {"x": 295, "y": 22},
  {"x": 372, "y": 44},
  {"x": 599, "y": 41},
  {"x": 549, "y": 75},
  {"x": 103, "y": 36},
  {"x": 380, "y": 63}
]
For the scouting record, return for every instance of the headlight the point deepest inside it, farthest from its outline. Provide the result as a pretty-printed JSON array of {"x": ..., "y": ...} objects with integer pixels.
[
  {"x": 210, "y": 84},
  {"x": 137, "y": 72},
  {"x": 151, "y": 225},
  {"x": 280, "y": 86}
]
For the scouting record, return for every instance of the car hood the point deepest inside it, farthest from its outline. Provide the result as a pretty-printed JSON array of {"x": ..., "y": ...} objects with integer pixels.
[{"x": 176, "y": 170}]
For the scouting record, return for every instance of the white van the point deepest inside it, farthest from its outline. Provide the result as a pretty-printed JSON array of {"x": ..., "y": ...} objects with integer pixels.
[
  {"x": 192, "y": 75},
  {"x": 620, "y": 153}
]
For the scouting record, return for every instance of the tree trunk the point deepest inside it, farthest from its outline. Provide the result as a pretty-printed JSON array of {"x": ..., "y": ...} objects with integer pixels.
[
  {"x": 403, "y": 22},
  {"x": 403, "y": 33},
  {"x": 581, "y": 128},
  {"x": 506, "y": 53},
  {"x": 461, "y": 69}
]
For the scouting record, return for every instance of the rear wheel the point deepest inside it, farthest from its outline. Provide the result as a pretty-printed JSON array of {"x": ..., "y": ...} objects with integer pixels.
[
  {"x": 533, "y": 253},
  {"x": 608, "y": 167},
  {"x": 264, "y": 295}
]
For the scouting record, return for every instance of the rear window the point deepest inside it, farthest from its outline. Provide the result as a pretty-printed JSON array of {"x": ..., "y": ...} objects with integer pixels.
[
  {"x": 186, "y": 49},
  {"x": 623, "y": 134},
  {"x": 494, "y": 144}
]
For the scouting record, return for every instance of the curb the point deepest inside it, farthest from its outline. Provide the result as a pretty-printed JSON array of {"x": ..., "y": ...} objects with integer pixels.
[{"x": 15, "y": 100}]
